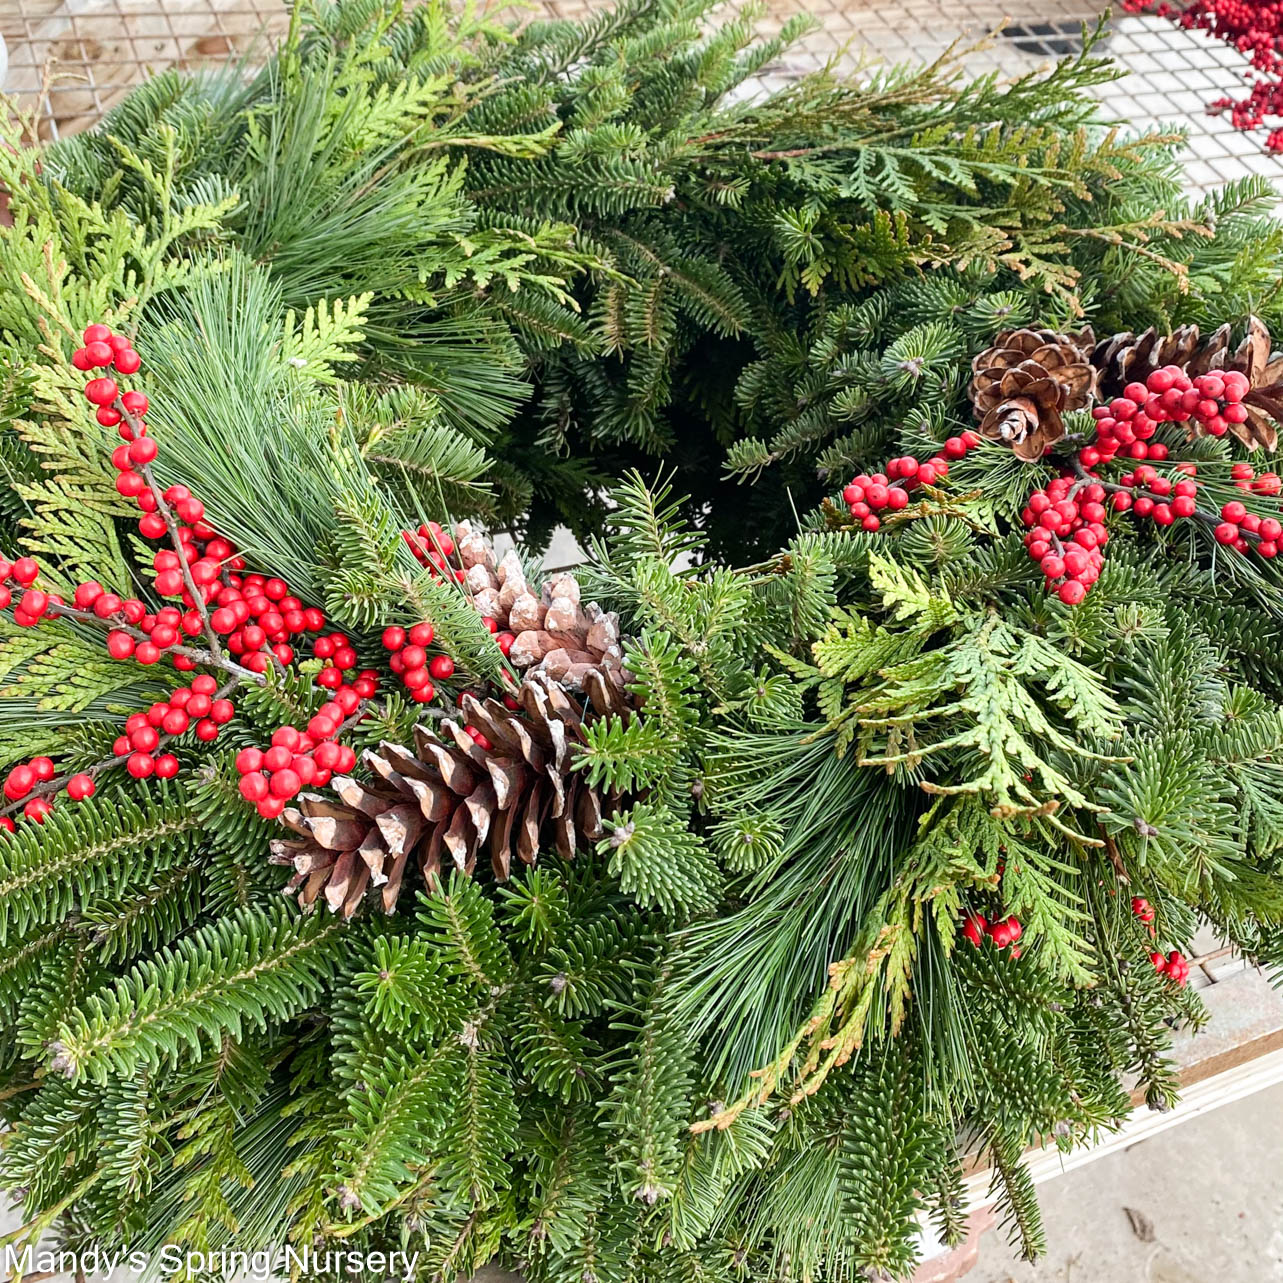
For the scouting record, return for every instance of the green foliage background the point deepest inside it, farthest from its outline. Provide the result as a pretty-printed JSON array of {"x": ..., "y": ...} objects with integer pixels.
[{"x": 423, "y": 264}]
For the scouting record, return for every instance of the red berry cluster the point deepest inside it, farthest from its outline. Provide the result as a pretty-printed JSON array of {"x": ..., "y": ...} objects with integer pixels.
[
  {"x": 1213, "y": 401},
  {"x": 26, "y": 776},
  {"x": 1254, "y": 28},
  {"x": 255, "y": 614},
  {"x": 101, "y": 351},
  {"x": 1173, "y": 965},
  {"x": 294, "y": 761},
  {"x": 34, "y": 604},
  {"x": 1066, "y": 520},
  {"x": 433, "y": 547},
  {"x": 258, "y": 615},
  {"x": 1143, "y": 910},
  {"x": 1066, "y": 534},
  {"x": 867, "y": 495},
  {"x": 409, "y": 659},
  {"x": 1001, "y": 931},
  {"x": 340, "y": 658},
  {"x": 199, "y": 708}
]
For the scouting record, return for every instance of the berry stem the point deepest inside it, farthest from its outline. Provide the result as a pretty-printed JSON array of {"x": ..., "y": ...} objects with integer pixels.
[
  {"x": 1209, "y": 519},
  {"x": 59, "y": 782},
  {"x": 206, "y": 657},
  {"x": 198, "y": 598},
  {"x": 145, "y": 470}
]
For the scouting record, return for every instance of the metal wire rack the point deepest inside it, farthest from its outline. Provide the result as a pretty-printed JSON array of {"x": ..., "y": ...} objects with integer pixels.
[{"x": 70, "y": 60}]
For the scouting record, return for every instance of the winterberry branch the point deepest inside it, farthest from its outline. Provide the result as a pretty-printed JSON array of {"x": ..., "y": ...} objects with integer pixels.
[
  {"x": 139, "y": 429},
  {"x": 47, "y": 788},
  {"x": 1210, "y": 519},
  {"x": 116, "y": 625}
]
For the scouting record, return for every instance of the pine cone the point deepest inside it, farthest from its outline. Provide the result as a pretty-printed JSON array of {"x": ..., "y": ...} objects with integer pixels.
[
  {"x": 1024, "y": 385},
  {"x": 554, "y": 632},
  {"x": 451, "y": 799},
  {"x": 1129, "y": 358}
]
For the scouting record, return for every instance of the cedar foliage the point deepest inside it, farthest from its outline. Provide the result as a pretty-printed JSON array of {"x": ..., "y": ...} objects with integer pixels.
[{"x": 423, "y": 265}]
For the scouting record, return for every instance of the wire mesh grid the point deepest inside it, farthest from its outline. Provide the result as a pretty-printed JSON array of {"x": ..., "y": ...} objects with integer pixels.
[{"x": 71, "y": 60}]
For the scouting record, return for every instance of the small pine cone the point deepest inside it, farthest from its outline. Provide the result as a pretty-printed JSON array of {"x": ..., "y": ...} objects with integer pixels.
[
  {"x": 1023, "y": 386},
  {"x": 551, "y": 622},
  {"x": 448, "y": 801}
]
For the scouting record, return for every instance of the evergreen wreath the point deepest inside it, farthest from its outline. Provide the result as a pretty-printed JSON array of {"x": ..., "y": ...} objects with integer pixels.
[{"x": 702, "y": 912}]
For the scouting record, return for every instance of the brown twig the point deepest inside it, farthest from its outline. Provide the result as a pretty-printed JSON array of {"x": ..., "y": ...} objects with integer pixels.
[
  {"x": 138, "y": 428},
  {"x": 59, "y": 782},
  {"x": 1210, "y": 519}
]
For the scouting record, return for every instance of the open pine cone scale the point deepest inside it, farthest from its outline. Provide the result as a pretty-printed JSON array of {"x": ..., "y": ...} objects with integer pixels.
[{"x": 447, "y": 801}]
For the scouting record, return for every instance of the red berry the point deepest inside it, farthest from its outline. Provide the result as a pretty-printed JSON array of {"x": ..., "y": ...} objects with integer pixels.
[
  {"x": 1233, "y": 512},
  {"x": 25, "y": 571},
  {"x": 253, "y": 786},
  {"x": 80, "y": 787},
  {"x": 128, "y": 361},
  {"x": 421, "y": 634},
  {"x": 285, "y": 783},
  {"x": 207, "y": 729},
  {"x": 1226, "y": 532},
  {"x": 146, "y": 653},
  {"x": 176, "y": 721},
  {"x": 415, "y": 678},
  {"x": 441, "y": 667},
  {"x": 277, "y": 758},
  {"x": 166, "y": 766},
  {"x": 140, "y": 765},
  {"x": 249, "y": 760},
  {"x": 19, "y": 782},
  {"x": 1071, "y": 592},
  {"x": 37, "y": 809},
  {"x": 100, "y": 391},
  {"x": 393, "y": 637}
]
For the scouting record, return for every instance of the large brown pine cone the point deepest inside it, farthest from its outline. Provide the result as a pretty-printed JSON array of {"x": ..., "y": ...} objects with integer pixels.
[
  {"x": 555, "y": 632},
  {"x": 1129, "y": 358},
  {"x": 1023, "y": 386},
  {"x": 449, "y": 800}
]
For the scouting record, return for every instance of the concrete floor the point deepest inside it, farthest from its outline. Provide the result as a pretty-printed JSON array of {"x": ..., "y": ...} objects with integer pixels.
[{"x": 1211, "y": 1188}]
